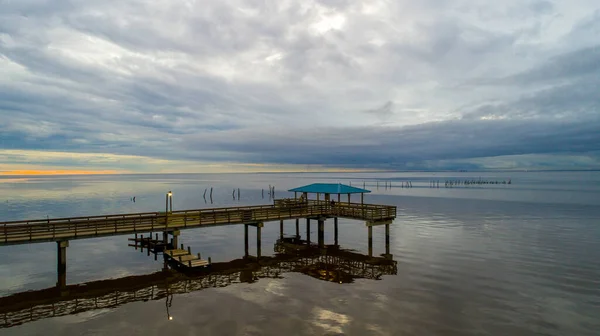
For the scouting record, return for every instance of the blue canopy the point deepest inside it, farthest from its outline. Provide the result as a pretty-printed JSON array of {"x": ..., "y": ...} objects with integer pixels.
[{"x": 329, "y": 188}]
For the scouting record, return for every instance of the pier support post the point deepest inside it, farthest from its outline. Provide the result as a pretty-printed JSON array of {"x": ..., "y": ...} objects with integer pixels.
[
  {"x": 175, "y": 238},
  {"x": 321, "y": 238},
  {"x": 335, "y": 230},
  {"x": 387, "y": 239},
  {"x": 370, "y": 241},
  {"x": 308, "y": 230},
  {"x": 61, "y": 263},
  {"x": 258, "y": 238},
  {"x": 297, "y": 228},
  {"x": 165, "y": 238},
  {"x": 281, "y": 229},
  {"x": 246, "y": 240}
]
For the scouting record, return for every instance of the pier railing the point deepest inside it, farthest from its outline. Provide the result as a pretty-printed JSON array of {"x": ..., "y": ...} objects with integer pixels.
[{"x": 54, "y": 229}]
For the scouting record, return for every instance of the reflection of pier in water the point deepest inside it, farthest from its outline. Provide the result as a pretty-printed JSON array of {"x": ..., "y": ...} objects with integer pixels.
[{"x": 330, "y": 263}]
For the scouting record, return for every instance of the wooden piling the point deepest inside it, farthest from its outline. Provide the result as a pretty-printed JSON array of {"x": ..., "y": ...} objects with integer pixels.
[
  {"x": 61, "y": 263},
  {"x": 335, "y": 230},
  {"x": 281, "y": 229},
  {"x": 370, "y": 241},
  {"x": 387, "y": 239},
  {"x": 245, "y": 239}
]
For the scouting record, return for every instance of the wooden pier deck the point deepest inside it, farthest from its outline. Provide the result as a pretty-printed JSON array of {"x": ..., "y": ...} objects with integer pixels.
[{"x": 57, "y": 229}]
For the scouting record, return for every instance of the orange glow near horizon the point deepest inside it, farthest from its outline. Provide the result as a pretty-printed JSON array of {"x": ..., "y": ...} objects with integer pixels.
[{"x": 58, "y": 172}]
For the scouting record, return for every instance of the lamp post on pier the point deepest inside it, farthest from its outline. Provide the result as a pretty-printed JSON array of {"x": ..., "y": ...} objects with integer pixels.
[{"x": 169, "y": 197}]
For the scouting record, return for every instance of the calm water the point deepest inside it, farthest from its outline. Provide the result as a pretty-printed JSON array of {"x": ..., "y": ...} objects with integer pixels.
[{"x": 517, "y": 259}]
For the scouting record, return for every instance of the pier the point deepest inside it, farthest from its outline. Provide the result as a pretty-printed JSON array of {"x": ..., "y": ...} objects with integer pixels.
[{"x": 170, "y": 223}]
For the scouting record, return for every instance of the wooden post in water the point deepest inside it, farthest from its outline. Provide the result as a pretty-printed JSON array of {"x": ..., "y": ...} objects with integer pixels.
[
  {"x": 61, "y": 263},
  {"x": 297, "y": 228},
  {"x": 370, "y": 240},
  {"x": 308, "y": 230},
  {"x": 335, "y": 230},
  {"x": 258, "y": 239},
  {"x": 387, "y": 239},
  {"x": 321, "y": 237},
  {"x": 245, "y": 240},
  {"x": 281, "y": 229}
]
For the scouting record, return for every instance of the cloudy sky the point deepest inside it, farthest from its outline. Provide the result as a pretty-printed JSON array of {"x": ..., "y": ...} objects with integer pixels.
[{"x": 193, "y": 86}]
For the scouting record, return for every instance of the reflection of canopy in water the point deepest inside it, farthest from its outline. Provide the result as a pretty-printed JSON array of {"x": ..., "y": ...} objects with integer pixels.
[{"x": 34, "y": 305}]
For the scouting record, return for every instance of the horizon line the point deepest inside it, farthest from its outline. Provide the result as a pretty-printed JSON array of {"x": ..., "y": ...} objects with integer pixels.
[{"x": 111, "y": 172}]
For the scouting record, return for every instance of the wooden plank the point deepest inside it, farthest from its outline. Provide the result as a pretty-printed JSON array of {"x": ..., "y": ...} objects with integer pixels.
[
  {"x": 175, "y": 253},
  {"x": 186, "y": 258},
  {"x": 199, "y": 263}
]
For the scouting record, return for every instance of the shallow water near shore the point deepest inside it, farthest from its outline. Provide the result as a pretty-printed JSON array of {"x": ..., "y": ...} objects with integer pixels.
[{"x": 486, "y": 259}]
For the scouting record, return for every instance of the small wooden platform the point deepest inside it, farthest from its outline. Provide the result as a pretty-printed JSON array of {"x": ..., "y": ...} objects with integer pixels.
[
  {"x": 184, "y": 258},
  {"x": 181, "y": 257}
]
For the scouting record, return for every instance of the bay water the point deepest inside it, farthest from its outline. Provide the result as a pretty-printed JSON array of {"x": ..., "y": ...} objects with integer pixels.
[{"x": 472, "y": 259}]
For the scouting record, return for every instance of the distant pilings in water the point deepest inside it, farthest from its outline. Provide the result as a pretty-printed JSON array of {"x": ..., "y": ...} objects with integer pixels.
[
  {"x": 466, "y": 183},
  {"x": 271, "y": 192},
  {"x": 210, "y": 195},
  {"x": 448, "y": 183},
  {"x": 386, "y": 184},
  {"x": 236, "y": 193}
]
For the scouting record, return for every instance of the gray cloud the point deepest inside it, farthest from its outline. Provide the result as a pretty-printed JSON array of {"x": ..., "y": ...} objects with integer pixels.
[
  {"x": 284, "y": 82},
  {"x": 460, "y": 139}
]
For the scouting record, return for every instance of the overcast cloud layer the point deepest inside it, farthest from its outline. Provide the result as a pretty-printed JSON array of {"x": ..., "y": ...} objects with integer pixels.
[{"x": 434, "y": 84}]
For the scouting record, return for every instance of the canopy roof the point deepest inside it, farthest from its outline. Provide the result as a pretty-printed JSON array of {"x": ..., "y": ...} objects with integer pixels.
[{"x": 330, "y": 188}]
